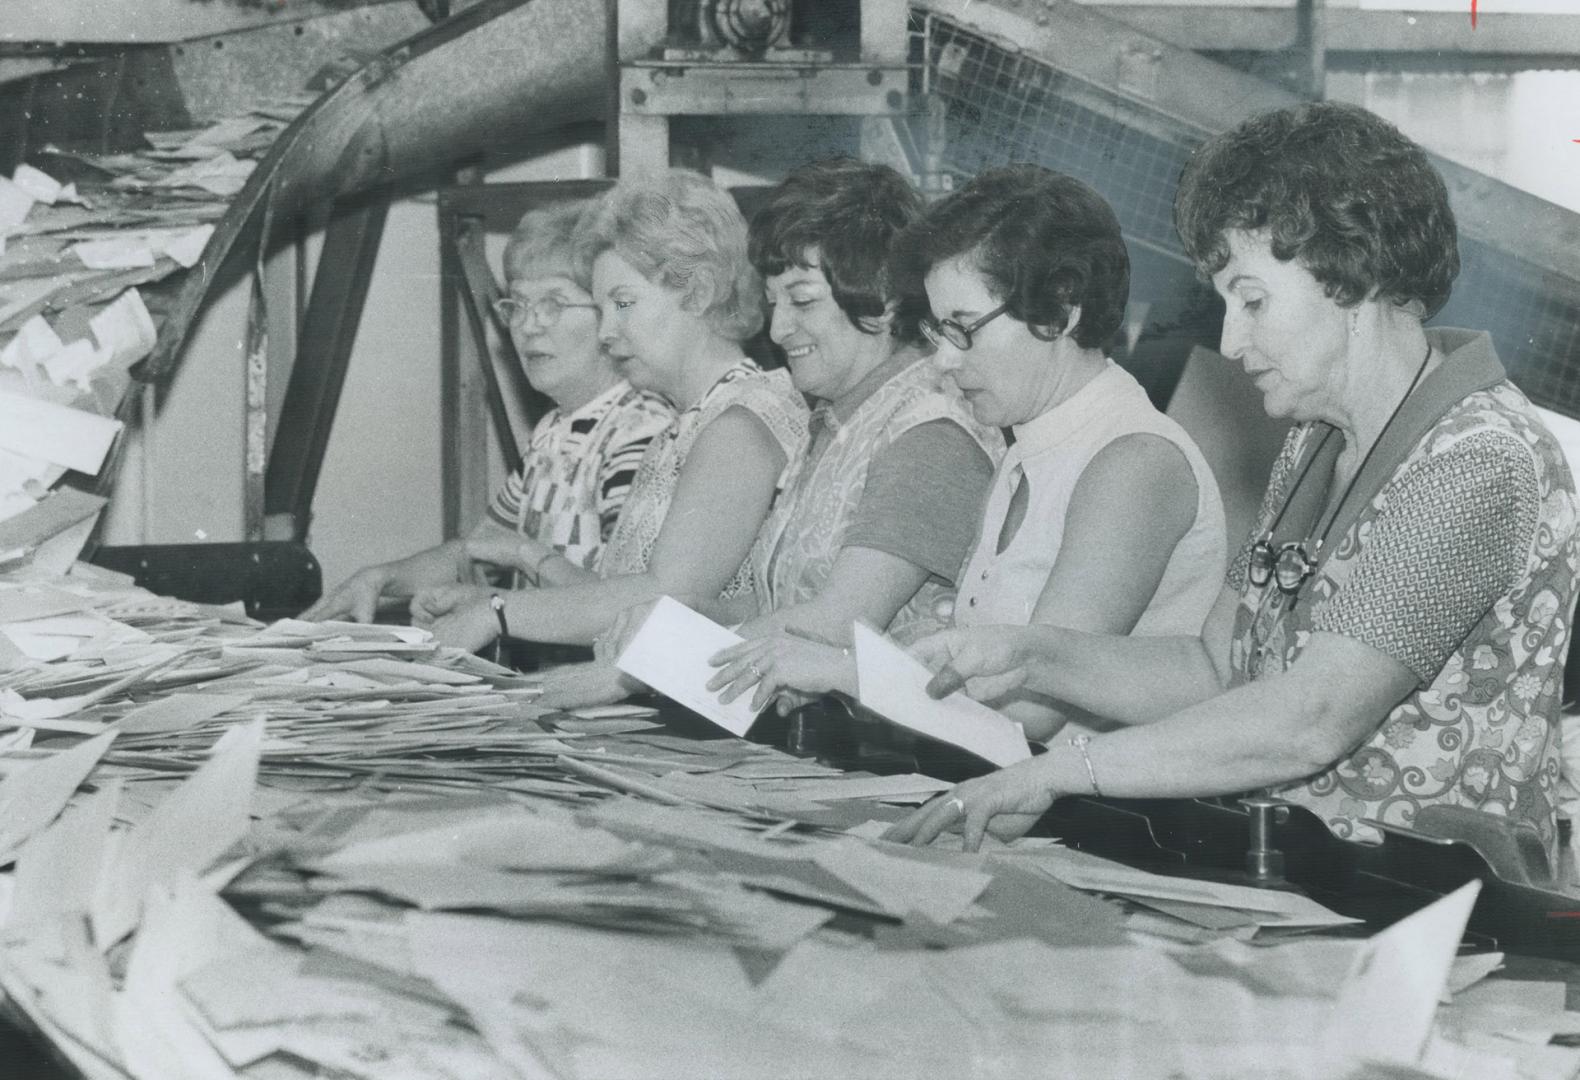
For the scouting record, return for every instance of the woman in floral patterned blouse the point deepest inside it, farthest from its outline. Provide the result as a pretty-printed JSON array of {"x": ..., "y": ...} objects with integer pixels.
[{"x": 1391, "y": 636}]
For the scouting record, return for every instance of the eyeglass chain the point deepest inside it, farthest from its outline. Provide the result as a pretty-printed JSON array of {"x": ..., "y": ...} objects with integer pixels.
[{"x": 1316, "y": 551}]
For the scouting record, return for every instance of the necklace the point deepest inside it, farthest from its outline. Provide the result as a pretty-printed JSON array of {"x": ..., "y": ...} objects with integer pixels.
[{"x": 1291, "y": 564}]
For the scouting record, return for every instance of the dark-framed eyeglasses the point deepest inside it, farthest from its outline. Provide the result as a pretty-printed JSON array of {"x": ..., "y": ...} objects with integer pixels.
[
  {"x": 1289, "y": 565},
  {"x": 546, "y": 309},
  {"x": 939, "y": 331}
]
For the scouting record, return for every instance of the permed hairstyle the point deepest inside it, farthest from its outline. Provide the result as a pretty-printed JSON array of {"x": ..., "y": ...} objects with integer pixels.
[
  {"x": 1337, "y": 188},
  {"x": 681, "y": 231},
  {"x": 544, "y": 244},
  {"x": 1045, "y": 243},
  {"x": 850, "y": 213}
]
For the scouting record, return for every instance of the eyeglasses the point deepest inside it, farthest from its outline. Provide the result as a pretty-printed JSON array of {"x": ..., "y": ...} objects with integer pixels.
[
  {"x": 1290, "y": 564},
  {"x": 939, "y": 331},
  {"x": 547, "y": 309}
]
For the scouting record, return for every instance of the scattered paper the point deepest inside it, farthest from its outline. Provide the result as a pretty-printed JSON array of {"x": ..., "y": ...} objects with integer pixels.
[
  {"x": 15, "y": 202},
  {"x": 1385, "y": 1007},
  {"x": 75, "y": 364},
  {"x": 71, "y": 437},
  {"x": 25, "y": 602},
  {"x": 58, "y": 554},
  {"x": 177, "y": 712},
  {"x": 38, "y": 184},
  {"x": 904, "y": 886},
  {"x": 35, "y": 342},
  {"x": 893, "y": 684},
  {"x": 57, "y": 870},
  {"x": 120, "y": 253},
  {"x": 183, "y": 835},
  {"x": 187, "y": 246},
  {"x": 125, "y": 330},
  {"x": 30, "y": 799},
  {"x": 185, "y": 928},
  {"x": 1272, "y": 906},
  {"x": 222, "y": 174}
]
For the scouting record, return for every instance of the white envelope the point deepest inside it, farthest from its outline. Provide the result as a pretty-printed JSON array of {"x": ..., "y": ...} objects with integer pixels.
[
  {"x": 893, "y": 684},
  {"x": 670, "y": 653}
]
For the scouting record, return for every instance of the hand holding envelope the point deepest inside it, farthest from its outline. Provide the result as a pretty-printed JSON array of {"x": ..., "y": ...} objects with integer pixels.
[{"x": 671, "y": 652}]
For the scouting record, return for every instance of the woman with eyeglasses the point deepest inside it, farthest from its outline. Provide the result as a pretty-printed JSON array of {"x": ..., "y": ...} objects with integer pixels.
[
  {"x": 1391, "y": 636},
  {"x": 676, "y": 296},
  {"x": 557, "y": 510},
  {"x": 1103, "y": 516}
]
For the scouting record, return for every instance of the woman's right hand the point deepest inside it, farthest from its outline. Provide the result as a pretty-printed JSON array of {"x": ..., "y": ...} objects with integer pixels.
[
  {"x": 356, "y": 598},
  {"x": 988, "y": 662},
  {"x": 608, "y": 645},
  {"x": 1004, "y": 803}
]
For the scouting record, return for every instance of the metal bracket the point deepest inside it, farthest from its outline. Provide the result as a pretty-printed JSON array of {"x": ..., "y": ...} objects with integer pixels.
[{"x": 653, "y": 88}]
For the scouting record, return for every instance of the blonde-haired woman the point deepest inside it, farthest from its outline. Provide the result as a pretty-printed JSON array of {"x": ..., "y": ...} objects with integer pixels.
[{"x": 676, "y": 296}]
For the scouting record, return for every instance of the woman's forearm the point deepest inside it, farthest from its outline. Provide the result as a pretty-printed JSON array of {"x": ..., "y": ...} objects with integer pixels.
[
  {"x": 730, "y": 611},
  {"x": 555, "y": 571},
  {"x": 577, "y": 614},
  {"x": 1278, "y": 729},
  {"x": 1131, "y": 680},
  {"x": 439, "y": 565}
]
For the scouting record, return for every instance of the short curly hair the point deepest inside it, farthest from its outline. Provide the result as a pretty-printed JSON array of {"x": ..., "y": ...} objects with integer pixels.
[
  {"x": 682, "y": 231},
  {"x": 850, "y": 212},
  {"x": 543, "y": 243},
  {"x": 1334, "y": 186},
  {"x": 1045, "y": 242}
]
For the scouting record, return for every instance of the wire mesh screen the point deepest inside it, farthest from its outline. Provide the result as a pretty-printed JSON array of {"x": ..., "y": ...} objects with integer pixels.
[
  {"x": 1000, "y": 106},
  {"x": 1003, "y": 107}
]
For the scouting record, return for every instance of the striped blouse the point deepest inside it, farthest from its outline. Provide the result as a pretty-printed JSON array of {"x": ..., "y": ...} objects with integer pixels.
[{"x": 577, "y": 472}]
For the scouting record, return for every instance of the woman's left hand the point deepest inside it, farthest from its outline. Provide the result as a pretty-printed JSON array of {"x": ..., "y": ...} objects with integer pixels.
[
  {"x": 778, "y": 664},
  {"x": 577, "y": 686},
  {"x": 1005, "y": 803}
]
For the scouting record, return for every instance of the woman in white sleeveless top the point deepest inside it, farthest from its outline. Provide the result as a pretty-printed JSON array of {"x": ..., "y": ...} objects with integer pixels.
[{"x": 1103, "y": 516}]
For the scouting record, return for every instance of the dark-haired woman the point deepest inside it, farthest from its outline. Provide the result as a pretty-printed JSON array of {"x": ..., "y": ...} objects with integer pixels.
[
  {"x": 1103, "y": 516},
  {"x": 876, "y": 517},
  {"x": 1391, "y": 636}
]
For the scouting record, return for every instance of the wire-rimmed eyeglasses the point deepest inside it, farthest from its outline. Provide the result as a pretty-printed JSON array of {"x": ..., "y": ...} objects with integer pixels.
[
  {"x": 939, "y": 331},
  {"x": 1289, "y": 564},
  {"x": 546, "y": 309}
]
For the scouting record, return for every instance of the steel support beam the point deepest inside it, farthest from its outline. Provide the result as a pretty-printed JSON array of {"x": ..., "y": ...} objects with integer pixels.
[{"x": 323, "y": 355}]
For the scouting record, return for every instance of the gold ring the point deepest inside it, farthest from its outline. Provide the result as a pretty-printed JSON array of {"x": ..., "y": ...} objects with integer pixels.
[
  {"x": 757, "y": 672},
  {"x": 959, "y": 805}
]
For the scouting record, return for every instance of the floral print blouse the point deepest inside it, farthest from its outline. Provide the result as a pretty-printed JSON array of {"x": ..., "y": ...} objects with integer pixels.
[
  {"x": 769, "y": 396},
  {"x": 803, "y": 536},
  {"x": 1460, "y": 564}
]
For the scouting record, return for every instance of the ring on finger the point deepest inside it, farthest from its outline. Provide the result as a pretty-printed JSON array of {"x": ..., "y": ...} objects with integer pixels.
[
  {"x": 958, "y": 805},
  {"x": 757, "y": 672}
]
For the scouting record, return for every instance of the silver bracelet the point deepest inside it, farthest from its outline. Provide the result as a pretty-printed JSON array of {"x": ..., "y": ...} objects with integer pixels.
[{"x": 1079, "y": 742}]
